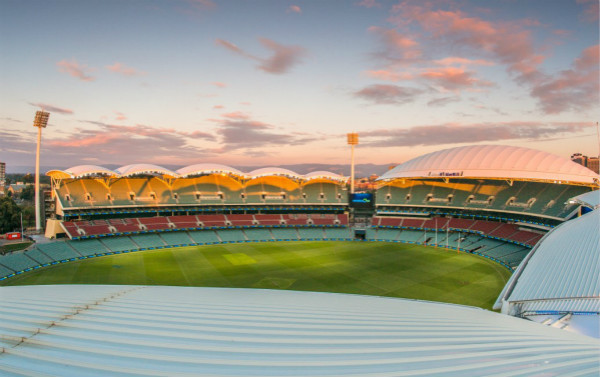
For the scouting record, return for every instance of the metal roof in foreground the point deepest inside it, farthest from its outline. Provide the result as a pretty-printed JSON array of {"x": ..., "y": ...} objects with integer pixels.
[{"x": 87, "y": 330}]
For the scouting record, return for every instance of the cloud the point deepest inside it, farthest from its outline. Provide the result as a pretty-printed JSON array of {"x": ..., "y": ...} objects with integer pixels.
[
  {"x": 396, "y": 47},
  {"x": 294, "y": 9},
  {"x": 122, "y": 69},
  {"x": 591, "y": 11},
  {"x": 120, "y": 116},
  {"x": 283, "y": 57},
  {"x": 453, "y": 79},
  {"x": 510, "y": 42},
  {"x": 52, "y": 108},
  {"x": 233, "y": 48},
  {"x": 577, "y": 88},
  {"x": 218, "y": 107},
  {"x": 219, "y": 84},
  {"x": 388, "y": 94},
  {"x": 455, "y": 60},
  {"x": 369, "y": 4},
  {"x": 73, "y": 68},
  {"x": 454, "y": 133},
  {"x": 389, "y": 75},
  {"x": 443, "y": 101},
  {"x": 127, "y": 144},
  {"x": 238, "y": 132}
]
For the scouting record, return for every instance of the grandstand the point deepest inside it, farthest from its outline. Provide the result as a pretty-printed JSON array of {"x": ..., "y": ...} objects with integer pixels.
[{"x": 486, "y": 182}]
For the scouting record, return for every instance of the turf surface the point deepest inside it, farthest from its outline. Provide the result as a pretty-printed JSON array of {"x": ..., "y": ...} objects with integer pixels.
[{"x": 382, "y": 269}]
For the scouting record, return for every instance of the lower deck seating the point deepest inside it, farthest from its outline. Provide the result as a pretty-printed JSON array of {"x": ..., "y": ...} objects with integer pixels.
[
  {"x": 176, "y": 238},
  {"x": 89, "y": 247},
  {"x": 148, "y": 240}
]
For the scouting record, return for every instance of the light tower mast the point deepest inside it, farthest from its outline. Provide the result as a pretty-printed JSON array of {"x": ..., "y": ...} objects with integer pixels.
[
  {"x": 352, "y": 141},
  {"x": 40, "y": 121}
]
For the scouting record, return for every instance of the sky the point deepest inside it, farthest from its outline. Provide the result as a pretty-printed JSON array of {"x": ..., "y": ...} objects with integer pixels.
[{"x": 276, "y": 82}]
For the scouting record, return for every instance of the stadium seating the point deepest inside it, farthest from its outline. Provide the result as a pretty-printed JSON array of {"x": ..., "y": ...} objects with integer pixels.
[
  {"x": 231, "y": 235},
  {"x": 17, "y": 261},
  {"x": 184, "y": 222},
  {"x": 176, "y": 238},
  {"x": 148, "y": 240},
  {"x": 258, "y": 234},
  {"x": 285, "y": 234},
  {"x": 38, "y": 256},
  {"x": 338, "y": 233},
  {"x": 533, "y": 198},
  {"x": 204, "y": 237},
  {"x": 119, "y": 244},
  {"x": 155, "y": 223},
  {"x": 311, "y": 233},
  {"x": 89, "y": 247},
  {"x": 58, "y": 250}
]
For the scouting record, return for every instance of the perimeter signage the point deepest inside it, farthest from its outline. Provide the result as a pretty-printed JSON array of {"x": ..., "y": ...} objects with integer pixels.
[{"x": 445, "y": 174}]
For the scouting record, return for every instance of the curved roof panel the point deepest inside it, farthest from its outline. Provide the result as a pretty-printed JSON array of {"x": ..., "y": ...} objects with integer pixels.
[
  {"x": 262, "y": 172},
  {"x": 190, "y": 331},
  {"x": 208, "y": 168},
  {"x": 138, "y": 169},
  {"x": 82, "y": 171},
  {"x": 562, "y": 268},
  {"x": 589, "y": 199},
  {"x": 321, "y": 174},
  {"x": 494, "y": 161}
]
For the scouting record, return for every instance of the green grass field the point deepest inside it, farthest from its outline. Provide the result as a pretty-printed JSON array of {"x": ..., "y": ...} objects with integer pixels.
[{"x": 382, "y": 269}]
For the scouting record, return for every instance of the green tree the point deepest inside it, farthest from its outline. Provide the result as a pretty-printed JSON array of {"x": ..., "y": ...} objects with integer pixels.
[
  {"x": 10, "y": 212},
  {"x": 28, "y": 193}
]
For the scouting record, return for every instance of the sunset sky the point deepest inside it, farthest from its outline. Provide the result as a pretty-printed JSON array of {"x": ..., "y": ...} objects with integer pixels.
[{"x": 281, "y": 82}]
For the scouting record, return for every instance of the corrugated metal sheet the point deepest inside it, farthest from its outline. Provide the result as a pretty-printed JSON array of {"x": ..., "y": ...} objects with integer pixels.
[
  {"x": 565, "y": 264},
  {"x": 181, "y": 331}
]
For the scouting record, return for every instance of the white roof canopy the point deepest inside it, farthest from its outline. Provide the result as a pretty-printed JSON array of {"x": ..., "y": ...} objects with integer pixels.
[{"x": 495, "y": 162}]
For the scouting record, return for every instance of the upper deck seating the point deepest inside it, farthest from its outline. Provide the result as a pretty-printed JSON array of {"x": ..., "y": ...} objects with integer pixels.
[
  {"x": 155, "y": 223},
  {"x": 188, "y": 221},
  {"x": 212, "y": 220},
  {"x": 240, "y": 219},
  {"x": 267, "y": 219}
]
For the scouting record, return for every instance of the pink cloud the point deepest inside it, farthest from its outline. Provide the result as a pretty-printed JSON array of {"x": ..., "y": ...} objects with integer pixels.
[
  {"x": 591, "y": 11},
  {"x": 283, "y": 58},
  {"x": 573, "y": 89},
  {"x": 509, "y": 42},
  {"x": 120, "y": 116},
  {"x": 453, "y": 79},
  {"x": 52, "y": 108},
  {"x": 455, "y": 60},
  {"x": 396, "y": 47},
  {"x": 388, "y": 94},
  {"x": 457, "y": 133},
  {"x": 74, "y": 69},
  {"x": 235, "y": 115},
  {"x": 219, "y": 84},
  {"x": 389, "y": 75},
  {"x": 123, "y": 69},
  {"x": 218, "y": 107},
  {"x": 294, "y": 9}
]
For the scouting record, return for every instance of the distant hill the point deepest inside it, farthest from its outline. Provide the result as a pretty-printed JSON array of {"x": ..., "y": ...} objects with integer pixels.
[{"x": 361, "y": 170}]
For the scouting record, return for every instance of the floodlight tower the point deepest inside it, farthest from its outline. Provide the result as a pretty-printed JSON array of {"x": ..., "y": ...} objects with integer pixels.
[
  {"x": 352, "y": 141},
  {"x": 40, "y": 121}
]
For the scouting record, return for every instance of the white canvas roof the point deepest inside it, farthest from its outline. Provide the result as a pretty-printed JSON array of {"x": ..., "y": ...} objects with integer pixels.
[{"x": 494, "y": 161}]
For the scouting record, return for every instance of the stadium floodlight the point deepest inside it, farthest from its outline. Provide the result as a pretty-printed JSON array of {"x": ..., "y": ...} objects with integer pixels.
[
  {"x": 40, "y": 121},
  {"x": 352, "y": 141}
]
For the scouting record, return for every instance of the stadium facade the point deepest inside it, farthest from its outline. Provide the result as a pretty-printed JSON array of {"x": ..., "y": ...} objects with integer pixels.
[{"x": 528, "y": 210}]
